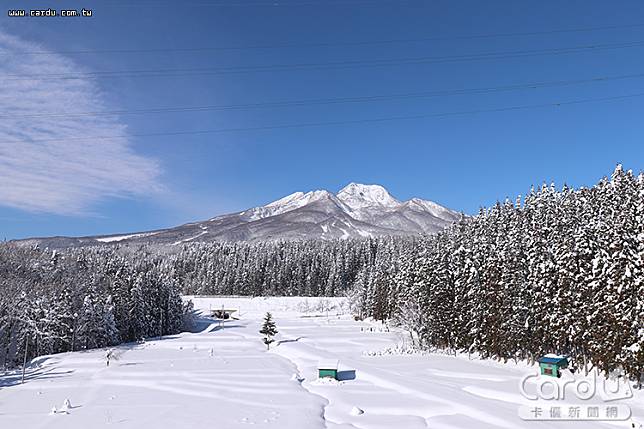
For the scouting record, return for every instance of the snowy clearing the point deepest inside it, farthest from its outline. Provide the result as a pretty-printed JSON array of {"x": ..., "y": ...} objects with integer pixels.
[{"x": 224, "y": 377}]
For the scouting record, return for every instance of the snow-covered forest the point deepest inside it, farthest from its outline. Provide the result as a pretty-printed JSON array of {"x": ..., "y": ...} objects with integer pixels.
[
  {"x": 82, "y": 299},
  {"x": 286, "y": 268},
  {"x": 557, "y": 271}
]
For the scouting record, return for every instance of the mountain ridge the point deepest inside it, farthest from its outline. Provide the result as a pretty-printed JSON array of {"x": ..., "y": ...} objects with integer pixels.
[{"x": 356, "y": 211}]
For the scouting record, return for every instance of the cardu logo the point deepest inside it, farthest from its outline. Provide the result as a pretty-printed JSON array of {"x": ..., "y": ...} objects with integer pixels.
[{"x": 575, "y": 397}]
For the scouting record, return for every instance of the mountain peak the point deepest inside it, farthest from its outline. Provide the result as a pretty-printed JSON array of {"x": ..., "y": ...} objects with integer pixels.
[{"x": 357, "y": 195}]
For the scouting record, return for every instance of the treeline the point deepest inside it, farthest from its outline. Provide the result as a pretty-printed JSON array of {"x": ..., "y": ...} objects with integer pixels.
[
  {"x": 557, "y": 271},
  {"x": 83, "y": 298},
  {"x": 295, "y": 268}
]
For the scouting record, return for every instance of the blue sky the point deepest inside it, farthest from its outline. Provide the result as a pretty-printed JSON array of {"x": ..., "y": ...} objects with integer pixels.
[{"x": 59, "y": 181}]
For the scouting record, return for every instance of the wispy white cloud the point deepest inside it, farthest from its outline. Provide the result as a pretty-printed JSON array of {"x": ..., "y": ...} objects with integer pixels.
[{"x": 41, "y": 171}]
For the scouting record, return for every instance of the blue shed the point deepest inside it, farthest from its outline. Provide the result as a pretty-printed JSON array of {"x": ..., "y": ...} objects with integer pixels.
[{"x": 552, "y": 364}]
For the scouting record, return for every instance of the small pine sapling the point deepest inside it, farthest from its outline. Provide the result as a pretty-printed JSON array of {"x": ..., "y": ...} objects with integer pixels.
[{"x": 268, "y": 330}]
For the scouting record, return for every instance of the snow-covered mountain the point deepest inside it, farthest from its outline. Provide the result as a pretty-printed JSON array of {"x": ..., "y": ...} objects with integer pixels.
[{"x": 356, "y": 211}]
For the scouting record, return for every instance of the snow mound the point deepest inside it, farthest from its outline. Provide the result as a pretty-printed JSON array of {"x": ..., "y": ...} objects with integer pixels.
[
  {"x": 326, "y": 381},
  {"x": 67, "y": 405},
  {"x": 355, "y": 411},
  {"x": 297, "y": 377}
]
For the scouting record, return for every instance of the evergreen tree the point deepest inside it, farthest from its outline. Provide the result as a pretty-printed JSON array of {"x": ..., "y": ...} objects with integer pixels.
[{"x": 268, "y": 330}]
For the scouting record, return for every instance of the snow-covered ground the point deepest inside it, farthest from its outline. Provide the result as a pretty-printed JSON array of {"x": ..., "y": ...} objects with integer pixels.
[{"x": 224, "y": 377}]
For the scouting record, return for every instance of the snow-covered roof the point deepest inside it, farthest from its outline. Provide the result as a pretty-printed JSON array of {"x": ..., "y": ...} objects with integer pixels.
[
  {"x": 552, "y": 359},
  {"x": 328, "y": 364},
  {"x": 554, "y": 356}
]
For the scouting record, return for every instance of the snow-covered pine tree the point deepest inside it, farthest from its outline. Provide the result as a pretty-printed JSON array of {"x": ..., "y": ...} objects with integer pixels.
[
  {"x": 626, "y": 268},
  {"x": 96, "y": 326},
  {"x": 409, "y": 314},
  {"x": 268, "y": 330}
]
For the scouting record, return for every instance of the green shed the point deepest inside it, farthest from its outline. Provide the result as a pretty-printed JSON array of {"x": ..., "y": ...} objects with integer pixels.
[
  {"x": 552, "y": 365},
  {"x": 328, "y": 369}
]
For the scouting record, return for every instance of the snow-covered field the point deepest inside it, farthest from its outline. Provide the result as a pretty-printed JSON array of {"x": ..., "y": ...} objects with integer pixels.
[{"x": 224, "y": 377}]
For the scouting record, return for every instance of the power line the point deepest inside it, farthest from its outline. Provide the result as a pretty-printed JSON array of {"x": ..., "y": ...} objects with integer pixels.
[
  {"x": 344, "y": 122},
  {"x": 271, "y": 3},
  {"x": 327, "y": 101},
  {"x": 325, "y": 44},
  {"x": 321, "y": 66}
]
